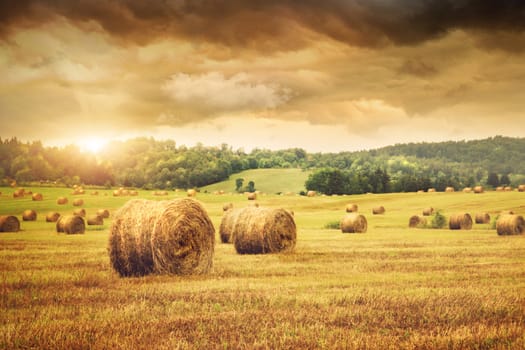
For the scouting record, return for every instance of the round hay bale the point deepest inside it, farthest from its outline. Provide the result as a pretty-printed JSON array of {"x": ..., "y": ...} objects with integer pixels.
[
  {"x": 428, "y": 211},
  {"x": 351, "y": 208},
  {"x": 467, "y": 189},
  {"x": 37, "y": 197},
  {"x": 62, "y": 200},
  {"x": 29, "y": 215},
  {"x": 420, "y": 191},
  {"x": 71, "y": 224},
  {"x": 311, "y": 194},
  {"x": 450, "y": 189},
  {"x": 252, "y": 196},
  {"x": 117, "y": 193},
  {"x": 354, "y": 223},
  {"x": 9, "y": 223},
  {"x": 460, "y": 221},
  {"x": 510, "y": 225},
  {"x": 521, "y": 188},
  {"x": 482, "y": 218},
  {"x": 507, "y": 189},
  {"x": 79, "y": 212},
  {"x": 192, "y": 192},
  {"x": 133, "y": 193},
  {"x": 95, "y": 220},
  {"x": 378, "y": 210},
  {"x": 104, "y": 213},
  {"x": 431, "y": 190},
  {"x": 19, "y": 193},
  {"x": 479, "y": 189},
  {"x": 227, "y": 206},
  {"x": 228, "y": 221},
  {"x": 78, "y": 202},
  {"x": 174, "y": 237},
  {"x": 52, "y": 216},
  {"x": 94, "y": 193},
  {"x": 417, "y": 221},
  {"x": 499, "y": 189},
  {"x": 124, "y": 192},
  {"x": 259, "y": 230}
]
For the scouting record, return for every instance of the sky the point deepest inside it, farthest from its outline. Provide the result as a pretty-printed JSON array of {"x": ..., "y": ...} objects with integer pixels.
[{"x": 326, "y": 76}]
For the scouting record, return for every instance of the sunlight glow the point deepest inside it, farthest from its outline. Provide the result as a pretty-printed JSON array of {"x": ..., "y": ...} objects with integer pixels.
[{"x": 93, "y": 145}]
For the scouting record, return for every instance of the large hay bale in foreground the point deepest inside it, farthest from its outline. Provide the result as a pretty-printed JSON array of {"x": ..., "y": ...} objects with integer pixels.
[
  {"x": 417, "y": 221},
  {"x": 78, "y": 202},
  {"x": 351, "y": 208},
  {"x": 71, "y": 224},
  {"x": 62, "y": 200},
  {"x": 52, "y": 216},
  {"x": 29, "y": 215},
  {"x": 9, "y": 223},
  {"x": 521, "y": 188},
  {"x": 482, "y": 218},
  {"x": 428, "y": 211},
  {"x": 104, "y": 213},
  {"x": 460, "y": 221},
  {"x": 479, "y": 189},
  {"x": 95, "y": 220},
  {"x": 510, "y": 225},
  {"x": 353, "y": 223},
  {"x": 37, "y": 197},
  {"x": 378, "y": 210},
  {"x": 259, "y": 230},
  {"x": 174, "y": 237},
  {"x": 79, "y": 212}
]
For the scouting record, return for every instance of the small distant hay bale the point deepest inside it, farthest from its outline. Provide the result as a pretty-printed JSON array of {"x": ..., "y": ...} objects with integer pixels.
[
  {"x": 479, "y": 189},
  {"x": 227, "y": 206},
  {"x": 71, "y": 224},
  {"x": 460, "y": 221},
  {"x": 378, "y": 210},
  {"x": 259, "y": 230},
  {"x": 124, "y": 192},
  {"x": 117, "y": 193},
  {"x": 77, "y": 190},
  {"x": 191, "y": 192},
  {"x": 133, "y": 193},
  {"x": 510, "y": 225},
  {"x": 420, "y": 191},
  {"x": 19, "y": 193},
  {"x": 506, "y": 212},
  {"x": 167, "y": 237},
  {"x": 9, "y": 223},
  {"x": 79, "y": 212},
  {"x": 431, "y": 190},
  {"x": 37, "y": 196},
  {"x": 499, "y": 189},
  {"x": 521, "y": 188},
  {"x": 311, "y": 194},
  {"x": 354, "y": 223},
  {"x": 351, "y": 208},
  {"x": 467, "y": 189},
  {"x": 29, "y": 215},
  {"x": 449, "y": 189},
  {"x": 94, "y": 193},
  {"x": 482, "y": 218},
  {"x": 252, "y": 196},
  {"x": 52, "y": 216},
  {"x": 78, "y": 202},
  {"x": 417, "y": 221},
  {"x": 507, "y": 188},
  {"x": 428, "y": 211},
  {"x": 104, "y": 213},
  {"x": 95, "y": 220},
  {"x": 62, "y": 200}
]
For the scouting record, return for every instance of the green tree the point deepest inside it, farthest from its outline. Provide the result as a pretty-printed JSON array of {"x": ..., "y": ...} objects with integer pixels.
[
  {"x": 493, "y": 179},
  {"x": 504, "y": 180},
  {"x": 250, "y": 187},
  {"x": 238, "y": 184}
]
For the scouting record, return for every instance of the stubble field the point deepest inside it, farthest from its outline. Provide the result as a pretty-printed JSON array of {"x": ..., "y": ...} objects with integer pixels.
[{"x": 390, "y": 288}]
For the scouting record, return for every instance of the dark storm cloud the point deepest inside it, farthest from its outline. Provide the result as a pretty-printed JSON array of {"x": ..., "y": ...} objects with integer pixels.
[{"x": 271, "y": 23}]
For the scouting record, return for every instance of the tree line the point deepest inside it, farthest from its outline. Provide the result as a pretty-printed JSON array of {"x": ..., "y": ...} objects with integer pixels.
[{"x": 148, "y": 163}]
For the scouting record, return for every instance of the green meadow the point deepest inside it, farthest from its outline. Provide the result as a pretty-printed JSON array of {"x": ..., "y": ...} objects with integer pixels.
[{"x": 390, "y": 288}]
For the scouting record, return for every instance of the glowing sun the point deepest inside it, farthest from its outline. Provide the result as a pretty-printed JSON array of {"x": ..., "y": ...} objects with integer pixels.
[{"x": 93, "y": 145}]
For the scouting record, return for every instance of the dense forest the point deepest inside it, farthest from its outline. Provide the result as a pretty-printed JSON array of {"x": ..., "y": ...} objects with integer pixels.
[{"x": 148, "y": 163}]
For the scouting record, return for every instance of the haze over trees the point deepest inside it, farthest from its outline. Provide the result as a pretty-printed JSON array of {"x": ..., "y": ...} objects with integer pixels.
[{"x": 149, "y": 163}]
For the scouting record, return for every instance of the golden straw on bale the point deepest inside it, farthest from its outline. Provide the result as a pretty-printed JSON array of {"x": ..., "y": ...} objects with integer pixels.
[
  {"x": 261, "y": 230},
  {"x": 229, "y": 219},
  {"x": 52, "y": 216},
  {"x": 510, "y": 225},
  {"x": 37, "y": 197},
  {"x": 104, "y": 213},
  {"x": 61, "y": 200},
  {"x": 482, "y": 218},
  {"x": 351, "y": 208},
  {"x": 378, "y": 210},
  {"x": 417, "y": 221},
  {"x": 460, "y": 221},
  {"x": 79, "y": 212},
  {"x": 479, "y": 189},
  {"x": 428, "y": 211},
  {"x": 29, "y": 215},
  {"x": 9, "y": 223},
  {"x": 78, "y": 202},
  {"x": 354, "y": 223},
  {"x": 174, "y": 237},
  {"x": 71, "y": 224},
  {"x": 95, "y": 220}
]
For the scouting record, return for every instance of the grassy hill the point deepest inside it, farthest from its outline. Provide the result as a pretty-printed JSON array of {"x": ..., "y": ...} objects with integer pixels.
[{"x": 266, "y": 180}]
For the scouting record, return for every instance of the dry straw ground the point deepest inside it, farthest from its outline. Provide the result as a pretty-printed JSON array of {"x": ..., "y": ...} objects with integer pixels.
[{"x": 391, "y": 288}]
